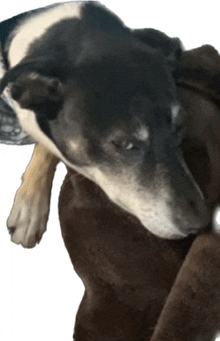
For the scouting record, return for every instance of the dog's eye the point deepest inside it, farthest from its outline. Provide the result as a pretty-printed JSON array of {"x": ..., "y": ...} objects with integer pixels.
[
  {"x": 124, "y": 145},
  {"x": 127, "y": 145}
]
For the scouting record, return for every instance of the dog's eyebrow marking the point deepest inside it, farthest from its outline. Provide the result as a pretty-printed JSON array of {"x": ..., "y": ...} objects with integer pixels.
[
  {"x": 34, "y": 27},
  {"x": 142, "y": 133},
  {"x": 175, "y": 108},
  {"x": 74, "y": 145}
]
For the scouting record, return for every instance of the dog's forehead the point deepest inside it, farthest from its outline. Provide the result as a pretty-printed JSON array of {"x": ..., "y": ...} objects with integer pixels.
[
  {"x": 132, "y": 65},
  {"x": 120, "y": 88},
  {"x": 126, "y": 111}
]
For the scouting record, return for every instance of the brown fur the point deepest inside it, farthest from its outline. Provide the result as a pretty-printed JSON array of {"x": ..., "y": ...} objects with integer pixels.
[
  {"x": 192, "y": 309},
  {"x": 128, "y": 273}
]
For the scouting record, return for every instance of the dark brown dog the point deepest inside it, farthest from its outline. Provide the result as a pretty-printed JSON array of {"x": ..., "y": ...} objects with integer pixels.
[{"x": 128, "y": 273}]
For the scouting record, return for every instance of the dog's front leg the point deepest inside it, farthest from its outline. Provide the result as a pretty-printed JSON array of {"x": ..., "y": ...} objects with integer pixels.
[
  {"x": 29, "y": 214},
  {"x": 192, "y": 310}
]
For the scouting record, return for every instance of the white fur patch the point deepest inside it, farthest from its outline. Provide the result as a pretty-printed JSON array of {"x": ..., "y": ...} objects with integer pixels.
[
  {"x": 175, "y": 108},
  {"x": 34, "y": 27},
  {"x": 142, "y": 133},
  {"x": 74, "y": 145}
]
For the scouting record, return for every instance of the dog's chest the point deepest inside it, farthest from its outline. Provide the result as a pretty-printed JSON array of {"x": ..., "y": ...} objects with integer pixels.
[{"x": 106, "y": 244}]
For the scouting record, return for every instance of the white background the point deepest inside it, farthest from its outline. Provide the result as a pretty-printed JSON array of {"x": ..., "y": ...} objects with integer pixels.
[{"x": 39, "y": 291}]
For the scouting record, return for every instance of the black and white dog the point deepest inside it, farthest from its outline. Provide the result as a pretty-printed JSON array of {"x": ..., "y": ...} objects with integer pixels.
[
  {"x": 102, "y": 98},
  {"x": 97, "y": 97}
]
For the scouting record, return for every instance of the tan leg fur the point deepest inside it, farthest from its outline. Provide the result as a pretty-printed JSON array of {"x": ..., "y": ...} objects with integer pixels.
[{"x": 29, "y": 214}]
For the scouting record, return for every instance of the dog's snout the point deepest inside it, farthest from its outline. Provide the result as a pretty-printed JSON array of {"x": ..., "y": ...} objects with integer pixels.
[
  {"x": 200, "y": 209},
  {"x": 189, "y": 207},
  {"x": 191, "y": 216},
  {"x": 191, "y": 210}
]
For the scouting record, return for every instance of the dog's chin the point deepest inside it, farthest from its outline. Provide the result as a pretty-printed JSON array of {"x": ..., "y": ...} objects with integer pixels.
[
  {"x": 164, "y": 230},
  {"x": 157, "y": 223}
]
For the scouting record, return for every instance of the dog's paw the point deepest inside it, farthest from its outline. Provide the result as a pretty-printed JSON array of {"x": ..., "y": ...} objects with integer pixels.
[{"x": 28, "y": 218}]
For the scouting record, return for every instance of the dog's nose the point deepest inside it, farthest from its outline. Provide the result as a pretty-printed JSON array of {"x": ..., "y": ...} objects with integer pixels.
[
  {"x": 191, "y": 211},
  {"x": 199, "y": 214},
  {"x": 189, "y": 220},
  {"x": 198, "y": 206}
]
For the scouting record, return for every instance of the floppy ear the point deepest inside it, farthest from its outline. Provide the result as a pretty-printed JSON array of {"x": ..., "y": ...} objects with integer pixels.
[
  {"x": 43, "y": 65},
  {"x": 170, "y": 47},
  {"x": 198, "y": 80},
  {"x": 206, "y": 57},
  {"x": 34, "y": 84},
  {"x": 199, "y": 69},
  {"x": 35, "y": 91}
]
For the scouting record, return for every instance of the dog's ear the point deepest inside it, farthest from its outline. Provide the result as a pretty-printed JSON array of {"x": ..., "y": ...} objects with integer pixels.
[
  {"x": 43, "y": 65},
  {"x": 34, "y": 91},
  {"x": 34, "y": 84},
  {"x": 170, "y": 47},
  {"x": 206, "y": 57},
  {"x": 199, "y": 69},
  {"x": 198, "y": 80}
]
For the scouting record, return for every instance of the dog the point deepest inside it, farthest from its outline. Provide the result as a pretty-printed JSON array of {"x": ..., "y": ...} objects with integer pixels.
[
  {"x": 119, "y": 147},
  {"x": 95, "y": 94}
]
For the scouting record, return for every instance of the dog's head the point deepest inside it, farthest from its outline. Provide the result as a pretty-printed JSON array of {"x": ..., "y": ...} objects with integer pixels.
[{"x": 107, "y": 106}]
